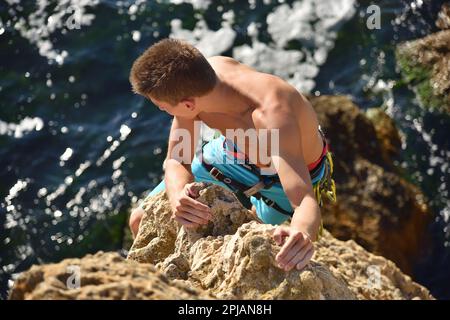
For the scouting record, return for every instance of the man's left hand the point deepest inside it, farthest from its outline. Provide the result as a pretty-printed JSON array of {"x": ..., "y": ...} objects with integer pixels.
[{"x": 297, "y": 248}]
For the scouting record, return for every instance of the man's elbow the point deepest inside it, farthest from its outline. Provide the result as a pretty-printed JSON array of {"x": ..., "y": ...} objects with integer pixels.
[{"x": 297, "y": 194}]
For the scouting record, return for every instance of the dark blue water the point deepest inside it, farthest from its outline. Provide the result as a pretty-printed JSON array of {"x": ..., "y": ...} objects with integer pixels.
[{"x": 78, "y": 149}]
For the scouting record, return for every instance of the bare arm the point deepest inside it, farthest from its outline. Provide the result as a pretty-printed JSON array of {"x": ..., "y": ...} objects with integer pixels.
[
  {"x": 297, "y": 248},
  {"x": 178, "y": 175},
  {"x": 177, "y": 169},
  {"x": 296, "y": 181}
]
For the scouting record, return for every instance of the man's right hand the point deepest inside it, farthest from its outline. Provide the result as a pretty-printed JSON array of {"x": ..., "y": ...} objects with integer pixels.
[{"x": 188, "y": 211}]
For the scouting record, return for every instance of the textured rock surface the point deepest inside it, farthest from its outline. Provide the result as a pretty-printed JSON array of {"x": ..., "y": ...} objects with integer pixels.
[
  {"x": 156, "y": 240},
  {"x": 443, "y": 21},
  {"x": 425, "y": 64},
  {"x": 386, "y": 132},
  {"x": 102, "y": 276},
  {"x": 376, "y": 207},
  {"x": 237, "y": 261},
  {"x": 360, "y": 269},
  {"x": 158, "y": 231},
  {"x": 225, "y": 259}
]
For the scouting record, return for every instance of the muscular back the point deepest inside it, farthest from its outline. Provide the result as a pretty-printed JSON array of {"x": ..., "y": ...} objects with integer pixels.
[{"x": 258, "y": 96}]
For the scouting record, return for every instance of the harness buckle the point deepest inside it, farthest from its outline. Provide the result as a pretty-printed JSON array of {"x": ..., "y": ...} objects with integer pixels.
[{"x": 215, "y": 173}]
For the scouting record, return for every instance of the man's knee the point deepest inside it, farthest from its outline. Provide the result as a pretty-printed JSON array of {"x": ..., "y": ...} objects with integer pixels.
[{"x": 135, "y": 220}]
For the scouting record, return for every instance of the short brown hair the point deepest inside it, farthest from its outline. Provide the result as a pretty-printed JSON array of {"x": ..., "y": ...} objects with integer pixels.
[{"x": 171, "y": 70}]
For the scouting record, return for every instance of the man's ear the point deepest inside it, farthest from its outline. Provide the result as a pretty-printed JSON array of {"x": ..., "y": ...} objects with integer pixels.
[{"x": 189, "y": 103}]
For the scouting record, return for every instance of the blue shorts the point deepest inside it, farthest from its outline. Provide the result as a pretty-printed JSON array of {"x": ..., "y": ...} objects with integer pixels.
[{"x": 215, "y": 153}]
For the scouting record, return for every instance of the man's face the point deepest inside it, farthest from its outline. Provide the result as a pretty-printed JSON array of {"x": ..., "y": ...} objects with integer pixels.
[{"x": 183, "y": 109}]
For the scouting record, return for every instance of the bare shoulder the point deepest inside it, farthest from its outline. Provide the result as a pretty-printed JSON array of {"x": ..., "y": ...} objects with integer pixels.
[
  {"x": 218, "y": 59},
  {"x": 281, "y": 103},
  {"x": 282, "y": 93}
]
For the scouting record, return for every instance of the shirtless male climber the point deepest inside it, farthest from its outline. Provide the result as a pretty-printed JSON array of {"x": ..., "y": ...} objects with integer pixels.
[{"x": 225, "y": 94}]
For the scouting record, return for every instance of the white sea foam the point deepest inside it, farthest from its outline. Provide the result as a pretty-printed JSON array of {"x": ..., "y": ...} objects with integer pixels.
[
  {"x": 66, "y": 155},
  {"x": 18, "y": 130},
  {"x": 197, "y": 4},
  {"x": 41, "y": 24},
  {"x": 313, "y": 23},
  {"x": 14, "y": 191},
  {"x": 209, "y": 42},
  {"x": 136, "y": 35}
]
